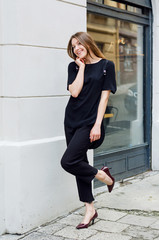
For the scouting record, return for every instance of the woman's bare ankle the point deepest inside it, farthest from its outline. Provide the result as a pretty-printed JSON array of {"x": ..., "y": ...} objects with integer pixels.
[{"x": 103, "y": 177}]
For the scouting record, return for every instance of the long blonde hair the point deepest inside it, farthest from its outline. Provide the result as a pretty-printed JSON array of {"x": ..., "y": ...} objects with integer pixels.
[{"x": 86, "y": 40}]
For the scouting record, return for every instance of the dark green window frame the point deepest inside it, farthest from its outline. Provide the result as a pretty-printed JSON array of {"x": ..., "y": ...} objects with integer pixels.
[
  {"x": 144, "y": 19},
  {"x": 121, "y": 14}
]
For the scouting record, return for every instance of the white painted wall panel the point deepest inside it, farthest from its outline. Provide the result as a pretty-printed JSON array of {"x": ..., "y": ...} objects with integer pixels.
[
  {"x": 156, "y": 33},
  {"x": 156, "y": 74},
  {"x": 155, "y": 90},
  {"x": 155, "y": 109},
  {"x": 9, "y": 22},
  {"x": 12, "y": 187},
  {"x": 1, "y": 70},
  {"x": 155, "y": 10},
  {"x": 1, "y": 120},
  {"x": 33, "y": 118},
  {"x": 34, "y": 71},
  {"x": 76, "y": 2},
  {"x": 2, "y": 161},
  {"x": 42, "y": 189},
  {"x": 10, "y": 119},
  {"x": 1, "y": 20},
  {"x": 33, "y": 77},
  {"x": 155, "y": 144},
  {"x": 2, "y": 192},
  {"x": 41, "y": 23}
]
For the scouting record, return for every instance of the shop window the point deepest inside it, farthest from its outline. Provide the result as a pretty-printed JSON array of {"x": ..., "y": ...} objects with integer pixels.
[{"x": 122, "y": 43}]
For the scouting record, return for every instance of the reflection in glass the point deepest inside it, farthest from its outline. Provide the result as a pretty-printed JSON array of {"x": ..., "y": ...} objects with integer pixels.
[
  {"x": 119, "y": 5},
  {"x": 121, "y": 42}
]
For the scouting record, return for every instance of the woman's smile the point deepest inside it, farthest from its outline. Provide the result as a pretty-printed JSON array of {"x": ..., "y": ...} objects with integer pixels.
[{"x": 79, "y": 50}]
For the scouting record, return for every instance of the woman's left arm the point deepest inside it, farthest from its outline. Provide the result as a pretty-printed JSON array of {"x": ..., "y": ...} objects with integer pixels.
[{"x": 95, "y": 132}]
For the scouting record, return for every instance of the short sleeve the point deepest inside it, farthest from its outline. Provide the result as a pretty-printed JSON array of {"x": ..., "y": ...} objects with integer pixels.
[
  {"x": 72, "y": 72},
  {"x": 109, "y": 79}
]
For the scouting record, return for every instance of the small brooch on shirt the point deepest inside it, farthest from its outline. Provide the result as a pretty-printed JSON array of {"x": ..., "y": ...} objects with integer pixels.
[
  {"x": 105, "y": 72},
  {"x": 76, "y": 68}
]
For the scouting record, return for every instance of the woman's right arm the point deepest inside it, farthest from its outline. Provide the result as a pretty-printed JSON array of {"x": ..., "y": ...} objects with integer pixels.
[{"x": 76, "y": 87}]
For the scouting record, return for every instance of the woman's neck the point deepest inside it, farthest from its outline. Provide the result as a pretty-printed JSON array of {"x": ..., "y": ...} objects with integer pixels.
[{"x": 91, "y": 59}]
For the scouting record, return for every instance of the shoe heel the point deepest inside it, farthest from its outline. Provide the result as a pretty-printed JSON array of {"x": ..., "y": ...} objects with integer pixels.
[
  {"x": 106, "y": 170},
  {"x": 82, "y": 225}
]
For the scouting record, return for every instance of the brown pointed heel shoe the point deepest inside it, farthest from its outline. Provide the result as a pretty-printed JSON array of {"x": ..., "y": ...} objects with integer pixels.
[
  {"x": 106, "y": 170},
  {"x": 82, "y": 225}
]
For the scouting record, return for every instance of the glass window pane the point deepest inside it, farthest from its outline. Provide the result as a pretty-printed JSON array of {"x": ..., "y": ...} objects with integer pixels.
[
  {"x": 119, "y": 5},
  {"x": 134, "y": 9},
  {"x": 121, "y": 42}
]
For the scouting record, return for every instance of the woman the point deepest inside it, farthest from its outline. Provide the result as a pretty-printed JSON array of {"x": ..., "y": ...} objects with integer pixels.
[{"x": 91, "y": 78}]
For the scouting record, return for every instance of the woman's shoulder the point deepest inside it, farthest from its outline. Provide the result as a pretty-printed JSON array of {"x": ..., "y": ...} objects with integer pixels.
[
  {"x": 72, "y": 66},
  {"x": 109, "y": 62}
]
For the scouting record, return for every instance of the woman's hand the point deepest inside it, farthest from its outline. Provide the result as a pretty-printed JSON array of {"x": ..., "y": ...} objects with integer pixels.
[
  {"x": 80, "y": 62},
  {"x": 95, "y": 133}
]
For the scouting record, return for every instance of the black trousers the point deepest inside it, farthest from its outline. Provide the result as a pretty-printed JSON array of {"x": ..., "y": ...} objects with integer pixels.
[{"x": 75, "y": 159}]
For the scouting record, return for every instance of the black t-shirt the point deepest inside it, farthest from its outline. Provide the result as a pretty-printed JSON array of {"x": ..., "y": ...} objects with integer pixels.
[{"x": 82, "y": 110}]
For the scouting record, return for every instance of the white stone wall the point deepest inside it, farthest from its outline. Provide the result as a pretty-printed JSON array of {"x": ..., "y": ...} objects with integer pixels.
[
  {"x": 34, "y": 34},
  {"x": 155, "y": 92}
]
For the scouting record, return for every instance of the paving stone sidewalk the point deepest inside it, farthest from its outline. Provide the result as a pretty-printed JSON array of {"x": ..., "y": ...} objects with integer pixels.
[{"x": 131, "y": 211}]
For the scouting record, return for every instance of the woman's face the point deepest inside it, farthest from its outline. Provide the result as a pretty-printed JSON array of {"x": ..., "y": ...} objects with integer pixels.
[{"x": 78, "y": 49}]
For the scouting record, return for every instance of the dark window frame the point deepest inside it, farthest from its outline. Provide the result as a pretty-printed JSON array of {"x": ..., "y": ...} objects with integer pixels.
[
  {"x": 145, "y": 20},
  {"x": 105, "y": 10},
  {"x": 136, "y": 3}
]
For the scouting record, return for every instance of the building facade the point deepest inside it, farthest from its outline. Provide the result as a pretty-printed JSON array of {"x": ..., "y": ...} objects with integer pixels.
[{"x": 34, "y": 189}]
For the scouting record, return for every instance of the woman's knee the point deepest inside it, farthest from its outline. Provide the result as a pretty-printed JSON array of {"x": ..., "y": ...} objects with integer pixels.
[
  {"x": 63, "y": 165},
  {"x": 64, "y": 162}
]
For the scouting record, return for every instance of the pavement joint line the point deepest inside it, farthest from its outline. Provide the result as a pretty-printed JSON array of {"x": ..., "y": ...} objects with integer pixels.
[
  {"x": 27, "y": 233},
  {"x": 122, "y": 233},
  {"x": 136, "y": 212},
  {"x": 132, "y": 211},
  {"x": 41, "y": 226},
  {"x": 92, "y": 235}
]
